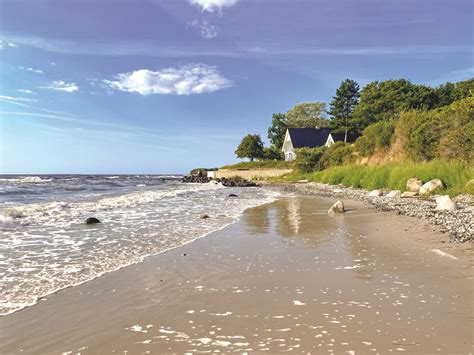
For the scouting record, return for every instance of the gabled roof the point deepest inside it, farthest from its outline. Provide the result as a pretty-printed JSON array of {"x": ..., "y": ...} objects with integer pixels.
[
  {"x": 308, "y": 137},
  {"x": 339, "y": 137}
]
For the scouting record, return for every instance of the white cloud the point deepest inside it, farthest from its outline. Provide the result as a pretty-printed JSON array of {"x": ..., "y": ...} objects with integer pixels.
[
  {"x": 26, "y": 91},
  {"x": 4, "y": 44},
  {"x": 60, "y": 85},
  {"x": 15, "y": 99},
  {"x": 185, "y": 80},
  {"x": 33, "y": 70},
  {"x": 213, "y": 5},
  {"x": 207, "y": 30}
]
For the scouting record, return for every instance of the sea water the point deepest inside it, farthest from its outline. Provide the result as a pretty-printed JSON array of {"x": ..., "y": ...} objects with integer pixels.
[{"x": 46, "y": 246}]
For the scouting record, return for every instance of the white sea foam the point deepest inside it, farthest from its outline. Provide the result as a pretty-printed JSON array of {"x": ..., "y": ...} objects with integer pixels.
[
  {"x": 47, "y": 247},
  {"x": 24, "y": 180}
]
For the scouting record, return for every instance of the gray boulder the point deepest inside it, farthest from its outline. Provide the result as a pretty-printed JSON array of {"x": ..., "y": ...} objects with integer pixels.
[
  {"x": 431, "y": 186},
  {"x": 444, "y": 203},
  {"x": 414, "y": 185},
  {"x": 375, "y": 193},
  {"x": 394, "y": 194},
  {"x": 337, "y": 208}
]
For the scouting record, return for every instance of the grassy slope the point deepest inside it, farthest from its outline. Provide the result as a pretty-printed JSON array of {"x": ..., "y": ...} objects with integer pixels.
[{"x": 393, "y": 176}]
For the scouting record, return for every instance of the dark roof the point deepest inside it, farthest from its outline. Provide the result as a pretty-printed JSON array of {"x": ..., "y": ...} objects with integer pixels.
[
  {"x": 308, "y": 137},
  {"x": 339, "y": 137}
]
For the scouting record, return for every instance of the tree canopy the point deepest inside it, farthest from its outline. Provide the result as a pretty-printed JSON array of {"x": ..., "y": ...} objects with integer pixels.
[
  {"x": 250, "y": 147},
  {"x": 307, "y": 114}
]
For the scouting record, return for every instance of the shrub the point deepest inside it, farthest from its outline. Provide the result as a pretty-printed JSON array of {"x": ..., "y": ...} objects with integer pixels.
[
  {"x": 307, "y": 159},
  {"x": 272, "y": 153},
  {"x": 337, "y": 154},
  {"x": 378, "y": 135},
  {"x": 457, "y": 136},
  {"x": 420, "y": 132}
]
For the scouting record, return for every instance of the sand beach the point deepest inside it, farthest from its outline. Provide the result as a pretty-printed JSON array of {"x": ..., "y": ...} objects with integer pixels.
[{"x": 285, "y": 277}]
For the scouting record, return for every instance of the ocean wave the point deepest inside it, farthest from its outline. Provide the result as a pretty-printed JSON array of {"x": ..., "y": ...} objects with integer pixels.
[
  {"x": 62, "y": 211},
  {"x": 25, "y": 180}
]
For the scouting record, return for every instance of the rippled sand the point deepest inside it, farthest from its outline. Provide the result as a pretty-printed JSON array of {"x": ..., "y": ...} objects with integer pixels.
[{"x": 287, "y": 277}]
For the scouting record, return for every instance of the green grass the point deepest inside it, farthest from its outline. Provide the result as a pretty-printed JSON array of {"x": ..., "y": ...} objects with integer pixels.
[
  {"x": 394, "y": 176},
  {"x": 263, "y": 164}
]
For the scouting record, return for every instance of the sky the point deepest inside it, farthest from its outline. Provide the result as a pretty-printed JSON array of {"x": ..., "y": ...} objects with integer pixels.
[{"x": 164, "y": 86}]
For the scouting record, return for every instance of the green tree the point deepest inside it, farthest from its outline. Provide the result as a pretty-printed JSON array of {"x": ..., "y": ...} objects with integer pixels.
[
  {"x": 307, "y": 114},
  {"x": 250, "y": 147},
  {"x": 385, "y": 100},
  {"x": 343, "y": 104},
  {"x": 276, "y": 132}
]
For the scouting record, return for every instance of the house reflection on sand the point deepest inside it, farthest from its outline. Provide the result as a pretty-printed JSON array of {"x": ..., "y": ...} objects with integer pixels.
[{"x": 304, "y": 221}]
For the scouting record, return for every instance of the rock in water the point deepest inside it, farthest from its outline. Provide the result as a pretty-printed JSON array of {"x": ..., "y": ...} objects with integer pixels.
[
  {"x": 337, "y": 208},
  {"x": 444, "y": 203},
  {"x": 375, "y": 193},
  {"x": 233, "y": 195},
  {"x": 204, "y": 216},
  {"x": 394, "y": 194},
  {"x": 92, "y": 220},
  {"x": 414, "y": 185},
  {"x": 430, "y": 186}
]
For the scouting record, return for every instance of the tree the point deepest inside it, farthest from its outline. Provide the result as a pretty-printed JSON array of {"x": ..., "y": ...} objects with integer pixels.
[
  {"x": 307, "y": 114},
  {"x": 251, "y": 147},
  {"x": 385, "y": 100},
  {"x": 276, "y": 132},
  {"x": 343, "y": 104}
]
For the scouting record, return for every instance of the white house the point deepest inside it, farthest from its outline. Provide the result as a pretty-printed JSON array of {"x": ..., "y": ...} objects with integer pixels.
[{"x": 311, "y": 138}]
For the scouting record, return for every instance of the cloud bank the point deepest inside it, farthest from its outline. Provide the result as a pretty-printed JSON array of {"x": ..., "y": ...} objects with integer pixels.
[
  {"x": 184, "y": 80},
  {"x": 212, "y": 5}
]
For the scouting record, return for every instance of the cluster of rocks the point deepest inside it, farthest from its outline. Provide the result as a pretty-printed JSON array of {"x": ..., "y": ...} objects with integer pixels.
[
  {"x": 235, "y": 182},
  {"x": 455, "y": 217},
  {"x": 228, "y": 182},
  {"x": 196, "y": 179}
]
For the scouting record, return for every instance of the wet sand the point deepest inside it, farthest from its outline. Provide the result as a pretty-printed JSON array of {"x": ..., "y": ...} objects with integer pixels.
[{"x": 286, "y": 277}]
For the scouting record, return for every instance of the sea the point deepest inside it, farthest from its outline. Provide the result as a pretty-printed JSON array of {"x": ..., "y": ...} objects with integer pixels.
[{"x": 46, "y": 246}]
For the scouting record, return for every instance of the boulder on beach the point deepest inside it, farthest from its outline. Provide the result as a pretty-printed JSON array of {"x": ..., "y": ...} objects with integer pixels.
[
  {"x": 376, "y": 193},
  {"x": 92, "y": 220},
  {"x": 414, "y": 185},
  {"x": 409, "y": 194},
  {"x": 431, "y": 186},
  {"x": 444, "y": 203},
  {"x": 394, "y": 194},
  {"x": 337, "y": 208}
]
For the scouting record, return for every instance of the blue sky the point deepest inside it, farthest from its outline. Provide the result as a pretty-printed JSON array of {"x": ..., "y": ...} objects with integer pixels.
[{"x": 162, "y": 86}]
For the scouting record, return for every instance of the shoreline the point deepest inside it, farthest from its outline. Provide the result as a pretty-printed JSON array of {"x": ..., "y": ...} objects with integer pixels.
[
  {"x": 285, "y": 276},
  {"x": 141, "y": 259},
  {"x": 458, "y": 224}
]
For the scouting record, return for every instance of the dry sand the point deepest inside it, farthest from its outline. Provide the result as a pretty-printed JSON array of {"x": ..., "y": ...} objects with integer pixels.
[{"x": 286, "y": 277}]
